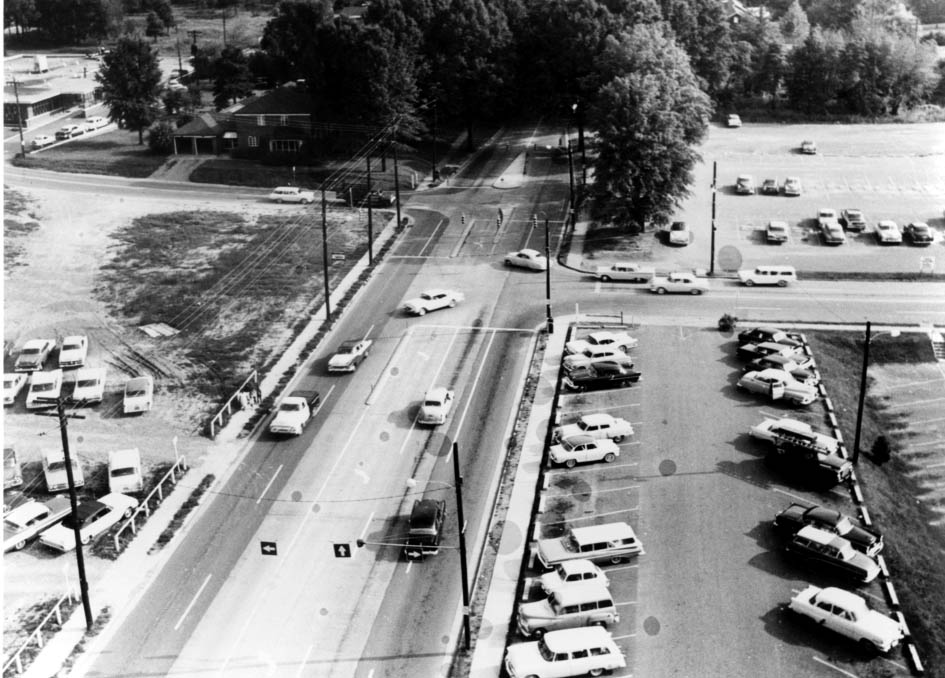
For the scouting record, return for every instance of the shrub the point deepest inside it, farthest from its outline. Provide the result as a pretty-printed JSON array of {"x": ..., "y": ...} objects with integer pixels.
[{"x": 161, "y": 138}]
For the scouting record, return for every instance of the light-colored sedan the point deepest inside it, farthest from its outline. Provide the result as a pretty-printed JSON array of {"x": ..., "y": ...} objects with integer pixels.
[
  {"x": 848, "y": 614},
  {"x": 44, "y": 387},
  {"x": 679, "y": 283},
  {"x": 139, "y": 394},
  {"x": 89, "y": 386},
  {"x": 13, "y": 383},
  {"x": 887, "y": 233},
  {"x": 69, "y": 131},
  {"x": 792, "y": 186},
  {"x": 292, "y": 194},
  {"x": 571, "y": 572},
  {"x": 29, "y": 519},
  {"x": 43, "y": 140},
  {"x": 745, "y": 185},
  {"x": 73, "y": 352},
  {"x": 95, "y": 122},
  {"x": 531, "y": 259},
  {"x": 93, "y": 518},
  {"x": 583, "y": 448},
  {"x": 679, "y": 233},
  {"x": 432, "y": 300},
  {"x": 620, "y": 340},
  {"x": 778, "y": 385},
  {"x": 436, "y": 406},
  {"x": 733, "y": 120},
  {"x": 597, "y": 425}
]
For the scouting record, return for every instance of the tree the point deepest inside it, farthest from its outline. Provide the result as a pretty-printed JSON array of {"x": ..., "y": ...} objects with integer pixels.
[
  {"x": 649, "y": 118},
  {"x": 174, "y": 101},
  {"x": 232, "y": 80},
  {"x": 288, "y": 35},
  {"x": 812, "y": 76},
  {"x": 131, "y": 81},
  {"x": 20, "y": 13},
  {"x": 701, "y": 29},
  {"x": 794, "y": 24},
  {"x": 72, "y": 21},
  {"x": 165, "y": 13},
  {"x": 154, "y": 26},
  {"x": 204, "y": 60},
  {"x": 835, "y": 14},
  {"x": 161, "y": 138}
]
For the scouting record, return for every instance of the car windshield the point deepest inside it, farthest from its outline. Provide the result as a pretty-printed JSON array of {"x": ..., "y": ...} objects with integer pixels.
[
  {"x": 87, "y": 383},
  {"x": 42, "y": 387},
  {"x": 346, "y": 348},
  {"x": 290, "y": 407},
  {"x": 129, "y": 471},
  {"x": 30, "y": 351},
  {"x": 680, "y": 226},
  {"x": 8, "y": 383},
  {"x": 844, "y": 525},
  {"x": 846, "y": 552},
  {"x": 426, "y": 295},
  {"x": 71, "y": 347},
  {"x": 135, "y": 392},
  {"x": 432, "y": 403}
]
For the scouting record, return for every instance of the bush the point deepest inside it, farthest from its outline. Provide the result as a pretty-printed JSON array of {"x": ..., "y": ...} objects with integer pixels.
[{"x": 161, "y": 138}]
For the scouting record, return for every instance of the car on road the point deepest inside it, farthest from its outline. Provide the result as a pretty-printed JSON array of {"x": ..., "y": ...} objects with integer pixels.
[
  {"x": 139, "y": 394},
  {"x": 804, "y": 374},
  {"x": 767, "y": 275},
  {"x": 777, "y": 232},
  {"x": 283, "y": 194},
  {"x": 591, "y": 355},
  {"x": 852, "y": 219},
  {"x": 583, "y": 448},
  {"x": 588, "y": 650},
  {"x": 610, "y": 543},
  {"x": 603, "y": 338},
  {"x": 745, "y": 185},
  {"x": 848, "y": 614},
  {"x": 531, "y": 259},
  {"x": 793, "y": 186},
  {"x": 29, "y": 519},
  {"x": 89, "y": 386},
  {"x": 808, "y": 147},
  {"x": 349, "y": 355},
  {"x": 572, "y": 572},
  {"x": 436, "y": 406},
  {"x": 919, "y": 233},
  {"x": 733, "y": 120},
  {"x": 96, "y": 122},
  {"x": 597, "y": 425},
  {"x": 777, "y": 385},
  {"x": 93, "y": 518},
  {"x": 679, "y": 233},
  {"x": 432, "y": 300},
  {"x": 762, "y": 333},
  {"x": 73, "y": 351},
  {"x": 295, "y": 411},
  {"x": 13, "y": 383},
  {"x": 69, "y": 131},
  {"x": 829, "y": 551},
  {"x": 680, "y": 282},
  {"x": 765, "y": 348},
  {"x": 44, "y": 386},
  {"x": 33, "y": 355},
  {"x": 42, "y": 140},
  {"x": 375, "y": 199},
  {"x": 770, "y": 187},
  {"x": 887, "y": 233},
  {"x": 424, "y": 528},
  {"x": 864, "y": 539},
  {"x": 625, "y": 271},
  {"x": 597, "y": 377}
]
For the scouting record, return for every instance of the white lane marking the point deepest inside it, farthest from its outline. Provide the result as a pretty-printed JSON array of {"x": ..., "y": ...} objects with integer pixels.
[
  {"x": 628, "y": 509},
  {"x": 475, "y": 384},
  {"x": 759, "y": 308},
  {"x": 193, "y": 601},
  {"x": 368, "y": 333},
  {"x": 792, "y": 496},
  {"x": 896, "y": 664},
  {"x": 597, "y": 287},
  {"x": 919, "y": 402},
  {"x": 302, "y": 665},
  {"x": 385, "y": 374},
  {"x": 938, "y": 465},
  {"x": 432, "y": 235},
  {"x": 271, "y": 481},
  {"x": 835, "y": 668},
  {"x": 367, "y": 524}
]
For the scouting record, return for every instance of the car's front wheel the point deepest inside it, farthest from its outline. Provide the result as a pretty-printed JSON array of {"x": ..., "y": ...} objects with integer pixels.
[
  {"x": 782, "y": 283},
  {"x": 617, "y": 439},
  {"x": 596, "y": 672},
  {"x": 85, "y": 539},
  {"x": 128, "y": 512},
  {"x": 661, "y": 290},
  {"x": 452, "y": 303},
  {"x": 19, "y": 545},
  {"x": 279, "y": 200},
  {"x": 749, "y": 283},
  {"x": 421, "y": 311},
  {"x": 605, "y": 278},
  {"x": 570, "y": 463},
  {"x": 615, "y": 560},
  {"x": 609, "y": 457}
]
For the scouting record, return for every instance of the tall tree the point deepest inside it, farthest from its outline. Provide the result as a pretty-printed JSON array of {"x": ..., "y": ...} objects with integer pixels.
[
  {"x": 131, "y": 82},
  {"x": 701, "y": 28},
  {"x": 71, "y": 21},
  {"x": 794, "y": 24},
  {"x": 288, "y": 35},
  {"x": 812, "y": 76},
  {"x": 153, "y": 26},
  {"x": 649, "y": 118},
  {"x": 165, "y": 13},
  {"x": 231, "y": 77}
]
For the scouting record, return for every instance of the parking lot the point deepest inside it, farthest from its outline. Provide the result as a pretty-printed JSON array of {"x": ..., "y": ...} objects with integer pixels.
[{"x": 707, "y": 596}]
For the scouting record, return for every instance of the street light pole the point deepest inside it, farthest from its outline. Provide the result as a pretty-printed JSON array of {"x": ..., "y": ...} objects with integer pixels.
[
  {"x": 370, "y": 216},
  {"x": 712, "y": 232},
  {"x": 325, "y": 258},
  {"x": 19, "y": 117},
  {"x": 462, "y": 544},
  {"x": 862, "y": 398},
  {"x": 550, "y": 322}
]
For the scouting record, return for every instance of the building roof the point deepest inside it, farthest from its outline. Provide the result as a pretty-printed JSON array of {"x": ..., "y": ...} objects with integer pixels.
[
  {"x": 285, "y": 100},
  {"x": 204, "y": 125}
]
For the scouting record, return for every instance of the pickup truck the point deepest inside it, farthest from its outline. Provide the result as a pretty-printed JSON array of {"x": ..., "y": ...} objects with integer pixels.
[{"x": 294, "y": 412}]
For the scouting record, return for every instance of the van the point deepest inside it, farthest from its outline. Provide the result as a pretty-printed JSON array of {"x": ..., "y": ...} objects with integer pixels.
[
  {"x": 611, "y": 542},
  {"x": 124, "y": 471},
  {"x": 768, "y": 275},
  {"x": 573, "y": 605},
  {"x": 571, "y": 652},
  {"x": 54, "y": 468}
]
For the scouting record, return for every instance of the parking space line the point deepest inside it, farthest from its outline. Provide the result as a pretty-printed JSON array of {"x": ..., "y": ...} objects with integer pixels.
[
  {"x": 928, "y": 421},
  {"x": 792, "y": 496},
  {"x": 928, "y": 442},
  {"x": 834, "y": 667},
  {"x": 193, "y": 601},
  {"x": 938, "y": 465},
  {"x": 628, "y": 509},
  {"x": 629, "y": 635},
  {"x": 896, "y": 664},
  {"x": 635, "y": 566},
  {"x": 629, "y": 602},
  {"x": 596, "y": 492},
  {"x": 917, "y": 383},
  {"x": 919, "y": 402}
]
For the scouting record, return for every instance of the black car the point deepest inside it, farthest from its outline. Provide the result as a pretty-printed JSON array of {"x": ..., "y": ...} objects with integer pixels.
[
  {"x": 766, "y": 348},
  {"x": 769, "y": 187},
  {"x": 425, "y": 528},
  {"x": 919, "y": 233},
  {"x": 827, "y": 550},
  {"x": 597, "y": 377},
  {"x": 852, "y": 220},
  {"x": 809, "y": 466},
  {"x": 762, "y": 333},
  {"x": 796, "y": 516}
]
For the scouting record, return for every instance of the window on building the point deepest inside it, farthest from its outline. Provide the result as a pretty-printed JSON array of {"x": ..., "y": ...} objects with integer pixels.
[
  {"x": 285, "y": 145},
  {"x": 252, "y": 142}
]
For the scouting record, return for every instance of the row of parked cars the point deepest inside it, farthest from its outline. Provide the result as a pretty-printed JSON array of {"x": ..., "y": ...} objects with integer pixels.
[
  {"x": 69, "y": 131},
  {"x": 833, "y": 228}
]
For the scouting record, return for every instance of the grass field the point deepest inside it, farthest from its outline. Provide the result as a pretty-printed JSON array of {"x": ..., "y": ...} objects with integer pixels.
[{"x": 114, "y": 153}]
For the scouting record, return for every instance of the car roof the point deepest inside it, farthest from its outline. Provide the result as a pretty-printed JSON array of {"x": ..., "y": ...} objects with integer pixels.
[
  {"x": 818, "y": 535},
  {"x": 577, "y": 566},
  {"x": 36, "y": 343},
  {"x": 579, "y": 439},
  {"x": 568, "y": 640},
  {"x": 74, "y": 337},
  {"x": 349, "y": 343},
  {"x": 575, "y": 593},
  {"x": 606, "y": 532},
  {"x": 597, "y": 418},
  {"x": 124, "y": 457},
  {"x": 436, "y": 393},
  {"x": 794, "y": 425},
  {"x": 530, "y": 252},
  {"x": 844, "y": 599},
  {"x": 424, "y": 512}
]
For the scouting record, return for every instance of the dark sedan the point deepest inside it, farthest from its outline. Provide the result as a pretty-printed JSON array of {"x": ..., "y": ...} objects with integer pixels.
[
  {"x": 766, "y": 348},
  {"x": 862, "y": 538},
  {"x": 825, "y": 549},
  {"x": 919, "y": 233},
  {"x": 594, "y": 379},
  {"x": 852, "y": 219},
  {"x": 770, "y": 187},
  {"x": 756, "y": 335}
]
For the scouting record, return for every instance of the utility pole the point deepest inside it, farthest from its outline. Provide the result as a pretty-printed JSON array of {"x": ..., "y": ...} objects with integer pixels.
[
  {"x": 180, "y": 62},
  {"x": 325, "y": 256},
  {"x": 571, "y": 180},
  {"x": 370, "y": 216},
  {"x": 19, "y": 117},
  {"x": 712, "y": 233},
  {"x": 396, "y": 185},
  {"x": 436, "y": 172},
  {"x": 859, "y": 407},
  {"x": 550, "y": 321},
  {"x": 462, "y": 544},
  {"x": 224, "y": 26}
]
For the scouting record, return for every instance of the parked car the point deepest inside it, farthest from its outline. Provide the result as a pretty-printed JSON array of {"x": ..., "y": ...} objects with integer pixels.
[
  {"x": 808, "y": 147},
  {"x": 864, "y": 539},
  {"x": 604, "y": 338},
  {"x": 89, "y": 386},
  {"x": 679, "y": 233},
  {"x": 591, "y": 355},
  {"x": 595, "y": 378},
  {"x": 624, "y": 271},
  {"x": 766, "y": 348},
  {"x": 436, "y": 406},
  {"x": 571, "y": 572},
  {"x": 848, "y": 614},
  {"x": 69, "y": 131},
  {"x": 531, "y": 259},
  {"x": 679, "y": 283},
  {"x": 778, "y": 385},
  {"x": 611, "y": 543},
  {"x": 93, "y": 518},
  {"x": 770, "y": 187},
  {"x": 768, "y": 275},
  {"x": 349, "y": 355},
  {"x": 55, "y": 472},
  {"x": 733, "y": 120},
  {"x": 792, "y": 186},
  {"x": 805, "y": 375},
  {"x": 74, "y": 351},
  {"x": 777, "y": 232},
  {"x": 781, "y": 432},
  {"x": 33, "y": 355},
  {"x": 852, "y": 219},
  {"x": 13, "y": 383},
  {"x": 375, "y": 199},
  {"x": 292, "y": 194},
  {"x": 919, "y": 233},
  {"x": 44, "y": 386},
  {"x": 745, "y": 185},
  {"x": 139, "y": 394},
  {"x": 762, "y": 333},
  {"x": 424, "y": 528},
  {"x": 583, "y": 448},
  {"x": 43, "y": 140},
  {"x": 832, "y": 233},
  {"x": 582, "y": 651},
  {"x": 597, "y": 425},
  {"x": 887, "y": 233},
  {"x": 432, "y": 300},
  {"x": 27, "y": 520},
  {"x": 576, "y": 605},
  {"x": 830, "y": 551},
  {"x": 12, "y": 470},
  {"x": 96, "y": 122},
  {"x": 124, "y": 471}
]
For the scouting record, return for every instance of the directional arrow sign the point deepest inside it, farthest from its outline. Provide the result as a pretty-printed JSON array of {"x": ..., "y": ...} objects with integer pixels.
[
  {"x": 268, "y": 548},
  {"x": 342, "y": 550}
]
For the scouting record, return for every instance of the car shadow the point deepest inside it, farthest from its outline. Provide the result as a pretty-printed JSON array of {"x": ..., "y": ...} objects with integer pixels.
[{"x": 766, "y": 536}]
